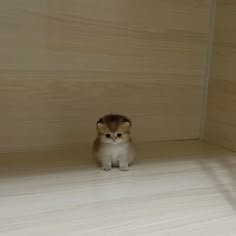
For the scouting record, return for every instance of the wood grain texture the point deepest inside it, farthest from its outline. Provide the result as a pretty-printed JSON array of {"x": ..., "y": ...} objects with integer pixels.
[
  {"x": 175, "y": 188},
  {"x": 65, "y": 63},
  {"x": 221, "y": 109}
]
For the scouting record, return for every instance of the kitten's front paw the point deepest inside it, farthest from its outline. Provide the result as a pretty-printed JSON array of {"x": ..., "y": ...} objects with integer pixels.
[
  {"x": 106, "y": 168},
  {"x": 124, "y": 168}
]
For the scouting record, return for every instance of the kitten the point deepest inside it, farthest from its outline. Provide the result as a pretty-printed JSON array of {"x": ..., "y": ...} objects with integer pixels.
[{"x": 113, "y": 146}]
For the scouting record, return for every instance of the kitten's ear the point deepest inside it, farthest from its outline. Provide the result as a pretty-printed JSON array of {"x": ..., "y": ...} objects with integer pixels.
[
  {"x": 125, "y": 125},
  {"x": 126, "y": 120},
  {"x": 100, "y": 124}
]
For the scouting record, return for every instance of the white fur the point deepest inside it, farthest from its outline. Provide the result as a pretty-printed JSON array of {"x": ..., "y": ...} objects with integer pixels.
[{"x": 115, "y": 154}]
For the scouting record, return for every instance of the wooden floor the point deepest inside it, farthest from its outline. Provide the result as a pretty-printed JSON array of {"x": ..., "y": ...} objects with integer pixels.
[{"x": 175, "y": 189}]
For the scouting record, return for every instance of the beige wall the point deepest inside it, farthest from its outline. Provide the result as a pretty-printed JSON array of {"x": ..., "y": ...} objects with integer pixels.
[
  {"x": 221, "y": 109},
  {"x": 64, "y": 63}
]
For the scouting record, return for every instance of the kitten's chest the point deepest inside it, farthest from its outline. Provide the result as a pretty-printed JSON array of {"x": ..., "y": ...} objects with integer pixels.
[{"x": 115, "y": 150}]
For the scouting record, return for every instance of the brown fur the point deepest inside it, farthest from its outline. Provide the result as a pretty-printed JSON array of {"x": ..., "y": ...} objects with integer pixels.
[{"x": 113, "y": 123}]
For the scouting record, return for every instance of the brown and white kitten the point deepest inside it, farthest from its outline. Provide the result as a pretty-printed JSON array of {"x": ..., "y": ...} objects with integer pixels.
[{"x": 113, "y": 145}]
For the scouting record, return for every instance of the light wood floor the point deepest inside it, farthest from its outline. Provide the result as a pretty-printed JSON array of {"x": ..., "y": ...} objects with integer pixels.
[{"x": 175, "y": 188}]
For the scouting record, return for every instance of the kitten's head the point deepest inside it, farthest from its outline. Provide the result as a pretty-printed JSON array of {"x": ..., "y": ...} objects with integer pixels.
[{"x": 114, "y": 129}]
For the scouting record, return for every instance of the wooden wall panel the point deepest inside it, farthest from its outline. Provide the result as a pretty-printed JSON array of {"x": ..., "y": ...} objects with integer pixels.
[
  {"x": 79, "y": 59},
  {"x": 23, "y": 37},
  {"x": 221, "y": 109}
]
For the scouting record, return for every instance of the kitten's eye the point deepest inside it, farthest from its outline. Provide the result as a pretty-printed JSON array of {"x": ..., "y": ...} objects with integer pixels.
[
  {"x": 108, "y": 135},
  {"x": 119, "y": 135}
]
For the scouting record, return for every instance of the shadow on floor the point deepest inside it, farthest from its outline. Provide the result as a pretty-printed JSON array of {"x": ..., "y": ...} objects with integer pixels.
[
  {"x": 45, "y": 161},
  {"x": 226, "y": 181},
  {"x": 77, "y": 158}
]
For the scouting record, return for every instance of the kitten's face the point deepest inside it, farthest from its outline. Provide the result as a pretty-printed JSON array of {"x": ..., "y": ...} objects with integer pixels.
[{"x": 113, "y": 129}]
